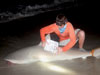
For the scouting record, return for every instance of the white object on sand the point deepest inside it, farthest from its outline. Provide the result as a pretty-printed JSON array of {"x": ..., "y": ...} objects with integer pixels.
[{"x": 51, "y": 46}]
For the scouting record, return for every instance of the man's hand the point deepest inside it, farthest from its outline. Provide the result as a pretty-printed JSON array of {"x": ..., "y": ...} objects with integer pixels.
[
  {"x": 44, "y": 43},
  {"x": 59, "y": 50}
]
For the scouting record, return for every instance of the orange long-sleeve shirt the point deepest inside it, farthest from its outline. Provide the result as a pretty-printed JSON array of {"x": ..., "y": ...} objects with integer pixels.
[{"x": 69, "y": 33}]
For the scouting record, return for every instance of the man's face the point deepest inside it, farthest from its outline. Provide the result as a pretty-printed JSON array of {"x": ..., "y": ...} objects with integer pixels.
[{"x": 61, "y": 26}]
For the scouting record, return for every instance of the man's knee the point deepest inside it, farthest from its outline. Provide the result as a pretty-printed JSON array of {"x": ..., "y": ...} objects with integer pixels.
[{"x": 81, "y": 33}]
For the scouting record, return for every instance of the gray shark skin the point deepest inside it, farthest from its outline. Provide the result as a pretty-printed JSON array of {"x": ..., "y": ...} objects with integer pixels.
[{"x": 36, "y": 53}]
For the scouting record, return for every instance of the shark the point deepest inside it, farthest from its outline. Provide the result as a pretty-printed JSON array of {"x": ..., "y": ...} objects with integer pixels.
[{"x": 37, "y": 53}]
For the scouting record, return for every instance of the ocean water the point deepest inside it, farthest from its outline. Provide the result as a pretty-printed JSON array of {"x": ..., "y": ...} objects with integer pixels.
[{"x": 19, "y": 9}]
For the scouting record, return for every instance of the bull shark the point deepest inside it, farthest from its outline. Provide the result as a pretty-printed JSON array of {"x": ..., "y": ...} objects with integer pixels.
[{"x": 37, "y": 53}]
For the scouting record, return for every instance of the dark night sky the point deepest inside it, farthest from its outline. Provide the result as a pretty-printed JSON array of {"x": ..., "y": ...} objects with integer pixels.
[{"x": 81, "y": 13}]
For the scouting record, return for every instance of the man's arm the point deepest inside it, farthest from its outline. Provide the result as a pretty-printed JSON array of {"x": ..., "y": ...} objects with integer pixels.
[
  {"x": 42, "y": 34},
  {"x": 72, "y": 38},
  {"x": 44, "y": 31}
]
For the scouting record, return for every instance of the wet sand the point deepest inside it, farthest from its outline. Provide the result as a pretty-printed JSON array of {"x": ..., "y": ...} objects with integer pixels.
[{"x": 89, "y": 66}]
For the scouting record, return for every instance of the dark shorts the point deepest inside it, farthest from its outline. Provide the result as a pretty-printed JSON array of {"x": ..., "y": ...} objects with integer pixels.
[{"x": 54, "y": 37}]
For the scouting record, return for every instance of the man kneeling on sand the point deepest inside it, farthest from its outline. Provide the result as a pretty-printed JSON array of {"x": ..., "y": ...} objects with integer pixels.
[{"x": 63, "y": 32}]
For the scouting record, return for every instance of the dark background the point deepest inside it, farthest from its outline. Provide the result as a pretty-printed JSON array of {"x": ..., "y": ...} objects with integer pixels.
[{"x": 81, "y": 13}]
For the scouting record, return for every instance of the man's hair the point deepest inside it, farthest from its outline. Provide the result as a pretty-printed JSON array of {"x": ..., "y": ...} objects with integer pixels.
[{"x": 61, "y": 19}]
